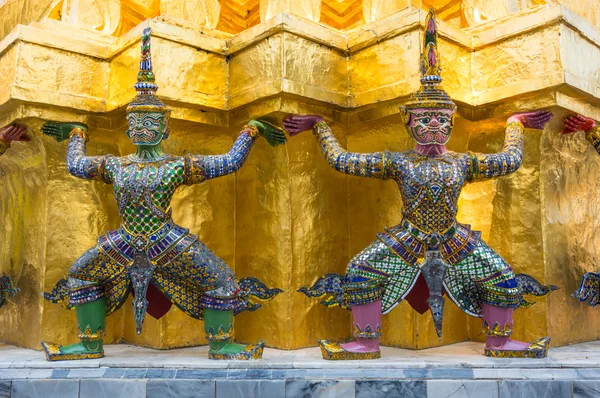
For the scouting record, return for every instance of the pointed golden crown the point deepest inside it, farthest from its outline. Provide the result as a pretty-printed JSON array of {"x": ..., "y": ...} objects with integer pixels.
[
  {"x": 431, "y": 94},
  {"x": 146, "y": 99}
]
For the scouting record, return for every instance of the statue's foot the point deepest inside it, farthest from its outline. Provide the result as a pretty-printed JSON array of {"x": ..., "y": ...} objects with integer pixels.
[
  {"x": 332, "y": 350},
  {"x": 55, "y": 352},
  {"x": 519, "y": 349},
  {"x": 358, "y": 347},
  {"x": 238, "y": 351}
]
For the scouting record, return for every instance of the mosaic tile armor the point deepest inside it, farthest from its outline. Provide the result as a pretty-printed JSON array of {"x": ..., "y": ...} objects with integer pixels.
[
  {"x": 158, "y": 261},
  {"x": 429, "y": 248},
  {"x": 7, "y": 289},
  {"x": 187, "y": 271},
  {"x": 430, "y": 187}
]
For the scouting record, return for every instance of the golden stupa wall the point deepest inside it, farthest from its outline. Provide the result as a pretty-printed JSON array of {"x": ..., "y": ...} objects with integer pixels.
[{"x": 286, "y": 217}]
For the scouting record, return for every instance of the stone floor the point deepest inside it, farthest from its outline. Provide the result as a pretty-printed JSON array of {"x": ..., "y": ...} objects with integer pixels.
[{"x": 452, "y": 371}]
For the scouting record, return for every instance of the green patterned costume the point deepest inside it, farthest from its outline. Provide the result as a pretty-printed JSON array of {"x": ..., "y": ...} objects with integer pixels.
[
  {"x": 389, "y": 268},
  {"x": 149, "y": 255}
]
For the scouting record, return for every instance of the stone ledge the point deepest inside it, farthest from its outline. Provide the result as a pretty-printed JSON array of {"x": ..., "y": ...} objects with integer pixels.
[
  {"x": 111, "y": 388},
  {"x": 454, "y": 371}
]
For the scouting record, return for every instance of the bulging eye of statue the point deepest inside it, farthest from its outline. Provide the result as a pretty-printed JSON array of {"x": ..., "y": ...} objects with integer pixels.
[
  {"x": 425, "y": 120},
  {"x": 148, "y": 124},
  {"x": 131, "y": 123},
  {"x": 442, "y": 119}
]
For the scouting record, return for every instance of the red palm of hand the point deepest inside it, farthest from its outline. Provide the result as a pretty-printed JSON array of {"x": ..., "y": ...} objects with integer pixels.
[
  {"x": 14, "y": 132},
  {"x": 575, "y": 123},
  {"x": 296, "y": 124},
  {"x": 532, "y": 120}
]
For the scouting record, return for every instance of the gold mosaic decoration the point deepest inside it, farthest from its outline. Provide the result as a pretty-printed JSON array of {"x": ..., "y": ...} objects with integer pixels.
[
  {"x": 537, "y": 349},
  {"x": 252, "y": 351},
  {"x": 333, "y": 351},
  {"x": 53, "y": 353},
  {"x": 88, "y": 334},
  {"x": 496, "y": 330},
  {"x": 221, "y": 334}
]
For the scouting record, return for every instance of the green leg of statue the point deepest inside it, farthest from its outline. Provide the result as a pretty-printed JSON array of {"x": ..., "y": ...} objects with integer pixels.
[
  {"x": 91, "y": 318},
  {"x": 218, "y": 326}
]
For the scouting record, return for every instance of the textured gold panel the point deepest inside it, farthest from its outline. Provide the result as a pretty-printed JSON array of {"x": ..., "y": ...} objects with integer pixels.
[
  {"x": 23, "y": 12},
  {"x": 287, "y": 217},
  {"x": 393, "y": 73},
  {"x": 504, "y": 70},
  {"x": 256, "y": 71},
  {"x": 22, "y": 205}
]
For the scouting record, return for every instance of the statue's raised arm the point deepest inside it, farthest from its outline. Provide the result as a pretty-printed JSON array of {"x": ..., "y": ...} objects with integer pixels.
[
  {"x": 204, "y": 167},
  {"x": 376, "y": 164},
  {"x": 509, "y": 159},
  {"x": 78, "y": 163}
]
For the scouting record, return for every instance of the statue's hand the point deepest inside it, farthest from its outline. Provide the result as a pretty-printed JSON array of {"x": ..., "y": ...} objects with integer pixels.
[
  {"x": 532, "y": 120},
  {"x": 14, "y": 132},
  {"x": 272, "y": 134},
  {"x": 575, "y": 123},
  {"x": 296, "y": 124},
  {"x": 61, "y": 131}
]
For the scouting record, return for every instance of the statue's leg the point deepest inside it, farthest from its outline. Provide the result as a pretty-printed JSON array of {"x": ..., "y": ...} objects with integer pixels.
[
  {"x": 485, "y": 285},
  {"x": 91, "y": 318},
  {"x": 85, "y": 288},
  {"x": 204, "y": 287},
  {"x": 366, "y": 319},
  {"x": 219, "y": 306},
  {"x": 376, "y": 280}
]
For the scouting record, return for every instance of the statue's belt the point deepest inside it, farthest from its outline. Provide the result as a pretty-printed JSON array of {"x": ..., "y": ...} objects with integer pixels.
[
  {"x": 410, "y": 242},
  {"x": 160, "y": 247},
  {"x": 432, "y": 239}
]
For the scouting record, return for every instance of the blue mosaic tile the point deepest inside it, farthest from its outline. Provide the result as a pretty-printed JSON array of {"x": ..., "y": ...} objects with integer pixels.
[
  {"x": 585, "y": 389},
  {"x": 320, "y": 388},
  {"x": 417, "y": 373},
  {"x": 59, "y": 373},
  {"x": 201, "y": 374},
  {"x": 295, "y": 373},
  {"x": 588, "y": 373},
  {"x": 258, "y": 373},
  {"x": 250, "y": 389},
  {"x": 180, "y": 389},
  {"x": 113, "y": 373},
  {"x": 104, "y": 388},
  {"x": 462, "y": 388},
  {"x": 236, "y": 373},
  {"x": 45, "y": 388},
  {"x": 91, "y": 373},
  {"x": 134, "y": 373},
  {"x": 451, "y": 373},
  {"x": 278, "y": 374},
  {"x": 391, "y": 389},
  {"x": 161, "y": 373},
  {"x": 535, "y": 388},
  {"x": 5, "y": 389}
]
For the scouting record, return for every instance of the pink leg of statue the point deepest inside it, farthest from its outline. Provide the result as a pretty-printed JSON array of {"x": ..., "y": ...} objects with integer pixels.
[
  {"x": 366, "y": 324},
  {"x": 499, "y": 337}
]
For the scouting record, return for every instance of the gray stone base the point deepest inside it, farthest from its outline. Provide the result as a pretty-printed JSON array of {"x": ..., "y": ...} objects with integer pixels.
[{"x": 453, "y": 371}]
